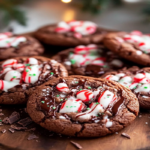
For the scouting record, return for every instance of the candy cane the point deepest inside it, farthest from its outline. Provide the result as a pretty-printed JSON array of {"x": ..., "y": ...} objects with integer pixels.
[
  {"x": 84, "y": 95},
  {"x": 31, "y": 74},
  {"x": 62, "y": 87},
  {"x": 13, "y": 75},
  {"x": 71, "y": 105},
  {"x": 5, "y": 85},
  {"x": 106, "y": 98},
  {"x": 5, "y": 35},
  {"x": 9, "y": 63},
  {"x": 32, "y": 61},
  {"x": 94, "y": 110}
]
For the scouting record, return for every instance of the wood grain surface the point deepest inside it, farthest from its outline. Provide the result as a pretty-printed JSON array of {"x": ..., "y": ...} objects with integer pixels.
[{"x": 139, "y": 132}]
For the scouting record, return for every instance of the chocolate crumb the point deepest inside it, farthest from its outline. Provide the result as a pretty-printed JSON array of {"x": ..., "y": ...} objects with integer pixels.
[
  {"x": 32, "y": 136},
  {"x": 3, "y": 131},
  {"x": 76, "y": 145},
  {"x": 32, "y": 129},
  {"x": 126, "y": 135},
  {"x": 18, "y": 128},
  {"x": 11, "y": 130},
  {"x": 0, "y": 110},
  {"x": 15, "y": 116},
  {"x": 24, "y": 122}
]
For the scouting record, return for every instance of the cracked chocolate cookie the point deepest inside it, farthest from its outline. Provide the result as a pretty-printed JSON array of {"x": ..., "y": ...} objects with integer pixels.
[
  {"x": 138, "y": 80},
  {"x": 71, "y": 33},
  {"x": 21, "y": 75},
  {"x": 91, "y": 60},
  {"x": 134, "y": 46},
  {"x": 15, "y": 46},
  {"x": 83, "y": 106}
]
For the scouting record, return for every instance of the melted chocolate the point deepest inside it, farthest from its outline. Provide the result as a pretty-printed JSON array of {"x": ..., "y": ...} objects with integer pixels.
[{"x": 50, "y": 104}]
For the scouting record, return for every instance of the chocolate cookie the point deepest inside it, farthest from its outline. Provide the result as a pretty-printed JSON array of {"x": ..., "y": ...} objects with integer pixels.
[
  {"x": 21, "y": 75},
  {"x": 134, "y": 46},
  {"x": 15, "y": 46},
  {"x": 83, "y": 106},
  {"x": 90, "y": 60},
  {"x": 138, "y": 80},
  {"x": 71, "y": 33}
]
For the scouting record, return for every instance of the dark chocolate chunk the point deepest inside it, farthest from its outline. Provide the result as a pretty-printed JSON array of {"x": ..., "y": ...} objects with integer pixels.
[
  {"x": 3, "y": 131},
  {"x": 24, "y": 122},
  {"x": 76, "y": 145},
  {"x": 32, "y": 136},
  {"x": 126, "y": 135},
  {"x": 18, "y": 128},
  {"x": 15, "y": 116}
]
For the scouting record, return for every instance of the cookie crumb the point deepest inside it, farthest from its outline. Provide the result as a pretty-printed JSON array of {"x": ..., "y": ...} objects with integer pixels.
[
  {"x": 126, "y": 135},
  {"x": 76, "y": 145},
  {"x": 3, "y": 131},
  {"x": 11, "y": 130},
  {"x": 32, "y": 136},
  {"x": 18, "y": 128}
]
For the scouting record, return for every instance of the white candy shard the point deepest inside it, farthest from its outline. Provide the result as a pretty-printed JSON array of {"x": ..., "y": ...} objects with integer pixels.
[
  {"x": 85, "y": 95},
  {"x": 106, "y": 98},
  {"x": 63, "y": 87},
  {"x": 93, "y": 111},
  {"x": 71, "y": 105}
]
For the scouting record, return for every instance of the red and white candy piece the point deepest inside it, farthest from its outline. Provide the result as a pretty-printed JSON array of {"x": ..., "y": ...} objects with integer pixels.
[
  {"x": 81, "y": 49},
  {"x": 5, "y": 85},
  {"x": 85, "y": 28},
  {"x": 84, "y": 95},
  {"x": 31, "y": 74},
  {"x": 62, "y": 27},
  {"x": 13, "y": 76},
  {"x": 19, "y": 67},
  {"x": 62, "y": 87},
  {"x": 12, "y": 41},
  {"x": 9, "y": 63},
  {"x": 5, "y": 35},
  {"x": 72, "y": 105},
  {"x": 93, "y": 111},
  {"x": 5, "y": 70},
  {"x": 106, "y": 98},
  {"x": 32, "y": 61},
  {"x": 80, "y": 27},
  {"x": 99, "y": 61}
]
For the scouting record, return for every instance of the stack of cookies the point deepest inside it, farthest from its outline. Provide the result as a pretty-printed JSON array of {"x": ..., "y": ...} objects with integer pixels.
[{"x": 93, "y": 88}]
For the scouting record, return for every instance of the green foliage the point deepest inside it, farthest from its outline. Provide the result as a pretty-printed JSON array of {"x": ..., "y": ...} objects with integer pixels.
[
  {"x": 96, "y": 6},
  {"x": 10, "y": 12}
]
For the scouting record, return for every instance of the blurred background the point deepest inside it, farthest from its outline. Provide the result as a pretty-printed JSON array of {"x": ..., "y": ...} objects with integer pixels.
[{"x": 27, "y": 15}]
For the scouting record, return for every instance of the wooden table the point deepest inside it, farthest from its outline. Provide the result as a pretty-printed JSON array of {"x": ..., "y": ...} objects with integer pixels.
[{"x": 139, "y": 132}]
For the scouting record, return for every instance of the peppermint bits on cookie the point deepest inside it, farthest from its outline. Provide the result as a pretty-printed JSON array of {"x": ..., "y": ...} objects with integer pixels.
[
  {"x": 62, "y": 87},
  {"x": 21, "y": 75},
  {"x": 18, "y": 45},
  {"x": 91, "y": 107},
  {"x": 135, "y": 79},
  {"x": 84, "y": 95}
]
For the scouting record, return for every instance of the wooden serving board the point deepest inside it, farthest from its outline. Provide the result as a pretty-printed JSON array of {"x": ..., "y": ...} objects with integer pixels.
[{"x": 139, "y": 132}]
